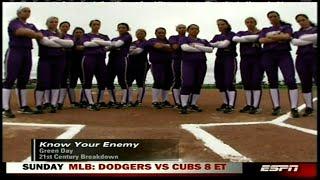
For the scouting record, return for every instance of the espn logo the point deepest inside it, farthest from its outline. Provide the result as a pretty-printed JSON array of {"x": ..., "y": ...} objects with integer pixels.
[{"x": 279, "y": 168}]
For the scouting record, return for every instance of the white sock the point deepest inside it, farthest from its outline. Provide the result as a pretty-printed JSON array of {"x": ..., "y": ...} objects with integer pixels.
[
  {"x": 294, "y": 96},
  {"x": 176, "y": 95},
  {"x": 275, "y": 97},
  {"x": 47, "y": 96},
  {"x": 224, "y": 97},
  {"x": 155, "y": 94},
  {"x": 130, "y": 93},
  {"x": 72, "y": 95},
  {"x": 6, "y": 93},
  {"x": 164, "y": 95},
  {"x": 184, "y": 100},
  {"x": 112, "y": 95},
  {"x": 54, "y": 96},
  {"x": 39, "y": 97},
  {"x": 248, "y": 97},
  {"x": 195, "y": 98},
  {"x": 89, "y": 96},
  {"x": 124, "y": 96},
  {"x": 22, "y": 95},
  {"x": 256, "y": 98},
  {"x": 232, "y": 97},
  {"x": 308, "y": 99},
  {"x": 140, "y": 94},
  {"x": 101, "y": 96},
  {"x": 62, "y": 95}
]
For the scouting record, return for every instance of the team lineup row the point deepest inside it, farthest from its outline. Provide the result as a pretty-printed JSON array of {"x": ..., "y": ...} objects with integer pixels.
[{"x": 177, "y": 63}]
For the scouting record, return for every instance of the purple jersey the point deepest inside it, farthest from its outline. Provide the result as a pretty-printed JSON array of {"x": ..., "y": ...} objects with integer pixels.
[
  {"x": 77, "y": 54},
  {"x": 249, "y": 48},
  {"x": 158, "y": 56},
  {"x": 140, "y": 44},
  {"x": 308, "y": 48},
  {"x": 123, "y": 50},
  {"x": 68, "y": 50},
  {"x": 175, "y": 40},
  {"x": 193, "y": 56},
  {"x": 20, "y": 41},
  {"x": 229, "y": 50},
  {"x": 94, "y": 50},
  {"x": 45, "y": 51},
  {"x": 277, "y": 46}
]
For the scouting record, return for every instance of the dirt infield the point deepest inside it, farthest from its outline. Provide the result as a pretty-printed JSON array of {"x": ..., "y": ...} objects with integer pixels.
[{"x": 261, "y": 142}]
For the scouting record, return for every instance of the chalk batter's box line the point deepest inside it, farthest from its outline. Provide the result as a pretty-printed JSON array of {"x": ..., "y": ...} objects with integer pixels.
[
  {"x": 72, "y": 130},
  {"x": 227, "y": 152}
]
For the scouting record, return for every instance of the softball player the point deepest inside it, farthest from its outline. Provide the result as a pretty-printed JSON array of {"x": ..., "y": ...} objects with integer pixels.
[
  {"x": 250, "y": 65},
  {"x": 306, "y": 63},
  {"x": 117, "y": 65},
  {"x": 193, "y": 68},
  {"x": 75, "y": 67},
  {"x": 51, "y": 64},
  {"x": 276, "y": 53},
  {"x": 225, "y": 65},
  {"x": 176, "y": 63},
  {"x": 160, "y": 59},
  {"x": 93, "y": 62},
  {"x": 18, "y": 61},
  {"x": 64, "y": 28},
  {"x": 138, "y": 66}
]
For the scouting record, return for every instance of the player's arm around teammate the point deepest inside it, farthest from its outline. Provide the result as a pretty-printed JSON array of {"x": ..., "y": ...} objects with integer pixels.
[
  {"x": 18, "y": 61},
  {"x": 306, "y": 62},
  {"x": 225, "y": 65},
  {"x": 193, "y": 67}
]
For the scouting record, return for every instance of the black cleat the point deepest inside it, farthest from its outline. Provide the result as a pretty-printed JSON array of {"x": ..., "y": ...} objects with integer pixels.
[
  {"x": 103, "y": 105},
  {"x": 122, "y": 106},
  {"x": 276, "y": 111},
  {"x": 39, "y": 110},
  {"x": 156, "y": 105},
  {"x": 83, "y": 104},
  {"x": 195, "y": 108},
  {"x": 255, "y": 110},
  {"x": 246, "y": 109},
  {"x": 46, "y": 106},
  {"x": 228, "y": 109},
  {"x": 131, "y": 104},
  {"x": 295, "y": 113},
  {"x": 7, "y": 114},
  {"x": 138, "y": 104},
  {"x": 53, "y": 109},
  {"x": 59, "y": 106},
  {"x": 308, "y": 111},
  {"x": 177, "y": 106},
  {"x": 75, "y": 105},
  {"x": 112, "y": 104},
  {"x": 166, "y": 104},
  {"x": 222, "y": 107},
  {"x": 25, "y": 110},
  {"x": 93, "y": 107},
  {"x": 184, "y": 110}
]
